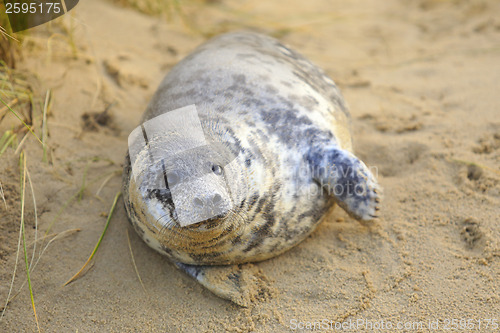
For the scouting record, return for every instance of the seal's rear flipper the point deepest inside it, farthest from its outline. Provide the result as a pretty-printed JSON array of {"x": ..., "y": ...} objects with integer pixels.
[
  {"x": 346, "y": 178},
  {"x": 241, "y": 284}
]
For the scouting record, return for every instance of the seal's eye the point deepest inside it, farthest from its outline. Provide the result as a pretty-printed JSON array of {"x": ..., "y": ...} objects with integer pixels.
[
  {"x": 217, "y": 169},
  {"x": 173, "y": 178}
]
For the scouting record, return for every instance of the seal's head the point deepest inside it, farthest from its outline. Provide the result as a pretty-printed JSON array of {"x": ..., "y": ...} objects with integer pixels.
[{"x": 187, "y": 184}]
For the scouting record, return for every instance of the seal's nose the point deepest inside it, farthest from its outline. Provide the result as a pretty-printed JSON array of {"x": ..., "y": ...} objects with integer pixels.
[
  {"x": 210, "y": 208},
  {"x": 212, "y": 201}
]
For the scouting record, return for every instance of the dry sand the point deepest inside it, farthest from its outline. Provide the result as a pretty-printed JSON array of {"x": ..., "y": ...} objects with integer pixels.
[{"x": 422, "y": 80}]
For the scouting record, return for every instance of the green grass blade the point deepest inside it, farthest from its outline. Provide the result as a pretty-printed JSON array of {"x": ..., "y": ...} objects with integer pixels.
[
  {"x": 23, "y": 170},
  {"x": 74, "y": 277},
  {"x": 36, "y": 218}
]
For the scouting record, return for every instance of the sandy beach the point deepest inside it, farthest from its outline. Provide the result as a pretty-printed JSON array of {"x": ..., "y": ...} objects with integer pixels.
[{"x": 422, "y": 83}]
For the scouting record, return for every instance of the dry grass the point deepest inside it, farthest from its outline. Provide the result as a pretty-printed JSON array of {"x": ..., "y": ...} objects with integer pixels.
[
  {"x": 24, "y": 114},
  {"x": 134, "y": 264},
  {"x": 153, "y": 7},
  {"x": 16, "y": 95},
  {"x": 10, "y": 46},
  {"x": 17, "y": 98},
  {"x": 193, "y": 15},
  {"x": 169, "y": 9}
]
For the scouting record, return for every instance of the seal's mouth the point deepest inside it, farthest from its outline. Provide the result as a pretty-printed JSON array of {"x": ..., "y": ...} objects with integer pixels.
[
  {"x": 209, "y": 223},
  {"x": 217, "y": 217}
]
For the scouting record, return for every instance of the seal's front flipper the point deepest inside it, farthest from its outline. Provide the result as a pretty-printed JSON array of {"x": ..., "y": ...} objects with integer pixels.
[
  {"x": 241, "y": 284},
  {"x": 347, "y": 179}
]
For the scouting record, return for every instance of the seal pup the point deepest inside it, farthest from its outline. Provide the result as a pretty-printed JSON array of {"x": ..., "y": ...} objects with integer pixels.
[{"x": 243, "y": 150}]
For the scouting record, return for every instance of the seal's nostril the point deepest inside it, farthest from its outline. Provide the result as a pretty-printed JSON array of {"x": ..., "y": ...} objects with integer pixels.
[
  {"x": 198, "y": 202},
  {"x": 216, "y": 199}
]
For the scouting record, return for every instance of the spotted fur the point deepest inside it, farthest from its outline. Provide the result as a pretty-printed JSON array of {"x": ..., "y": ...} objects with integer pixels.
[{"x": 285, "y": 123}]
